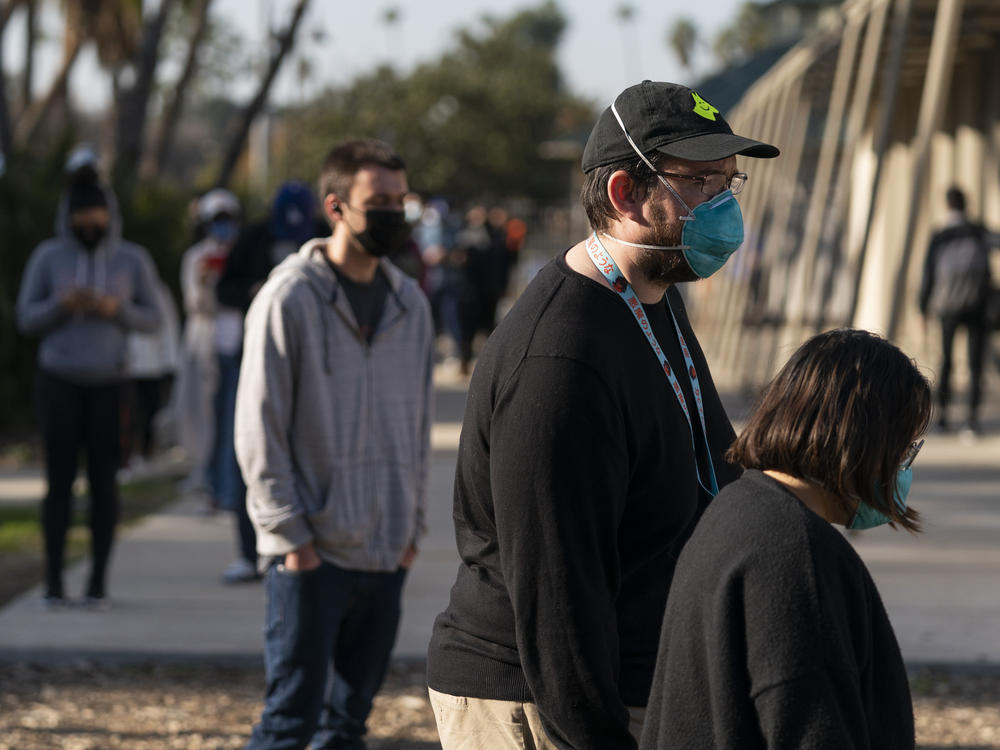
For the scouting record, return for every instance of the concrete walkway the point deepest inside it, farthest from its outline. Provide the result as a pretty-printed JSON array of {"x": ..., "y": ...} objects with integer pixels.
[{"x": 942, "y": 588}]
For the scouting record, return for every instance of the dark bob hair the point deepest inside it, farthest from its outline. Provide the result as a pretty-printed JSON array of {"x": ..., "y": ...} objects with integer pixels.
[{"x": 842, "y": 413}]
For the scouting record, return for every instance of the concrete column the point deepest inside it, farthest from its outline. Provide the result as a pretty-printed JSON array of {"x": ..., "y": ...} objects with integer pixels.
[
  {"x": 886, "y": 107},
  {"x": 935, "y": 97},
  {"x": 805, "y": 303}
]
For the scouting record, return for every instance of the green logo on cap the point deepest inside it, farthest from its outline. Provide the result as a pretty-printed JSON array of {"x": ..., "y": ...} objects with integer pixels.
[{"x": 703, "y": 108}]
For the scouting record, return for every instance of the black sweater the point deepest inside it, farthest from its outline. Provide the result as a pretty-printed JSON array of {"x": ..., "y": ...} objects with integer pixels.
[
  {"x": 575, "y": 490},
  {"x": 775, "y": 637}
]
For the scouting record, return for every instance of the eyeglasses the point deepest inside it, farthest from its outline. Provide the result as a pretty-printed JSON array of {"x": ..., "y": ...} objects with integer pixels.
[
  {"x": 911, "y": 453},
  {"x": 714, "y": 183}
]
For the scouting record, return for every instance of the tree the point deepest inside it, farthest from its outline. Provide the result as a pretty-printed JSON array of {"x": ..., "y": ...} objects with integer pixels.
[
  {"x": 470, "y": 123},
  {"x": 392, "y": 17},
  {"x": 625, "y": 14},
  {"x": 749, "y": 33},
  {"x": 36, "y": 112},
  {"x": 134, "y": 103},
  {"x": 6, "y": 135},
  {"x": 682, "y": 38},
  {"x": 157, "y": 157},
  {"x": 285, "y": 42}
]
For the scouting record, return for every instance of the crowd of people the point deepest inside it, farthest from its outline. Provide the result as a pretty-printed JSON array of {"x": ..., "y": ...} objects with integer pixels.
[{"x": 632, "y": 573}]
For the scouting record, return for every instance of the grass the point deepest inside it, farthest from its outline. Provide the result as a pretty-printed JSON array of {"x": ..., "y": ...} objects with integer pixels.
[{"x": 21, "y": 549}]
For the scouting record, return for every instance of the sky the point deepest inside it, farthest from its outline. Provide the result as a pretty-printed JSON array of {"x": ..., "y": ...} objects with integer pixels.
[{"x": 599, "y": 56}]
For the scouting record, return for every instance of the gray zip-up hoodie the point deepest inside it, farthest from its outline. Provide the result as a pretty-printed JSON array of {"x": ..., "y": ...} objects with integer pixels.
[
  {"x": 83, "y": 347},
  {"x": 333, "y": 433}
]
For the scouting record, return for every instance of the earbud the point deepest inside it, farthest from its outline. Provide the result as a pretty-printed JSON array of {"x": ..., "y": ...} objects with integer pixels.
[{"x": 336, "y": 209}]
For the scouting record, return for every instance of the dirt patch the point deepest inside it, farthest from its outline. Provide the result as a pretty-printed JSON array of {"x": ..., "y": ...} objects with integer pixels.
[{"x": 183, "y": 707}]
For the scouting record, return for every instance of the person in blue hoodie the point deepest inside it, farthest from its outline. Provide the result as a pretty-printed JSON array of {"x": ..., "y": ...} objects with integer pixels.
[{"x": 82, "y": 292}]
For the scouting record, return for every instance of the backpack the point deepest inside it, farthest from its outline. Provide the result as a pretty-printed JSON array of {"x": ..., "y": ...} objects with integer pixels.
[{"x": 961, "y": 271}]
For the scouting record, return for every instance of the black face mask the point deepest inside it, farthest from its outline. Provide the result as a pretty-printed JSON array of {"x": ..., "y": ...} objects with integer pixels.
[
  {"x": 386, "y": 232},
  {"x": 89, "y": 235}
]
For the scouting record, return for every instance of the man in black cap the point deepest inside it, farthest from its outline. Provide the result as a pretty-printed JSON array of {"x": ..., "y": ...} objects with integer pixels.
[{"x": 593, "y": 439}]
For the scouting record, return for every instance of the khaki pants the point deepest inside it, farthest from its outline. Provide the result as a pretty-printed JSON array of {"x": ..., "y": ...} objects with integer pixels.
[{"x": 483, "y": 724}]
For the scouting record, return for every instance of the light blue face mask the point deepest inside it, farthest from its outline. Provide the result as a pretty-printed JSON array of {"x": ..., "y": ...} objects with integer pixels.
[
  {"x": 866, "y": 517},
  {"x": 712, "y": 231},
  {"x": 712, "y": 234}
]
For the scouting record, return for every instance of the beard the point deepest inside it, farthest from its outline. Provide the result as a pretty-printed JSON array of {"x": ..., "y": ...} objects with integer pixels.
[{"x": 664, "y": 266}]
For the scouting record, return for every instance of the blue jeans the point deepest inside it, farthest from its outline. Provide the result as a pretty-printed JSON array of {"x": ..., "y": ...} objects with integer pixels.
[
  {"x": 227, "y": 481},
  {"x": 329, "y": 636}
]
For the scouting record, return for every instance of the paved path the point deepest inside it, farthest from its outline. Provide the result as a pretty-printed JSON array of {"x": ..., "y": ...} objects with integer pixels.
[{"x": 942, "y": 589}]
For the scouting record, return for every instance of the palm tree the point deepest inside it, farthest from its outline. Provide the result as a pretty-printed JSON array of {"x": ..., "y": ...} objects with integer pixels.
[
  {"x": 391, "y": 18},
  {"x": 625, "y": 14},
  {"x": 682, "y": 38}
]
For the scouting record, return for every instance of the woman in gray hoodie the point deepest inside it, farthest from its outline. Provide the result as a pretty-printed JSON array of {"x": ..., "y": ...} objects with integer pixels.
[{"x": 82, "y": 291}]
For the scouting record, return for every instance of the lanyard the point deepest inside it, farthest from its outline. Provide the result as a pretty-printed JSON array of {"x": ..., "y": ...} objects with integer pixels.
[{"x": 606, "y": 265}]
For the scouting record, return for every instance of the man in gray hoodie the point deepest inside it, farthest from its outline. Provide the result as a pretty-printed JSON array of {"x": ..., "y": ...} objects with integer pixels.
[
  {"x": 81, "y": 293},
  {"x": 333, "y": 414}
]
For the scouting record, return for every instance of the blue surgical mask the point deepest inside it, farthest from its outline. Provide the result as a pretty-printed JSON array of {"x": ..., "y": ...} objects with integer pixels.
[
  {"x": 866, "y": 517},
  {"x": 223, "y": 230}
]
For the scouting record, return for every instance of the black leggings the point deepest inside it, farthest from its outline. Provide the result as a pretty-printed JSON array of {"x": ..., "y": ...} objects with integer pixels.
[{"x": 74, "y": 416}]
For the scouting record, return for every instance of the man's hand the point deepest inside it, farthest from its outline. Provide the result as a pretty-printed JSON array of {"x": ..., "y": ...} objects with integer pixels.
[
  {"x": 409, "y": 556},
  {"x": 106, "y": 306},
  {"x": 303, "y": 559},
  {"x": 77, "y": 299}
]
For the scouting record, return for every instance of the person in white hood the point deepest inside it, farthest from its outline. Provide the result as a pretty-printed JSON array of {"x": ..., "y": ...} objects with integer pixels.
[{"x": 198, "y": 374}]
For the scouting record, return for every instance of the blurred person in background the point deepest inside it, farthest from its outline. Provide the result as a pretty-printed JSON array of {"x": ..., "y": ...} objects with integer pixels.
[
  {"x": 153, "y": 359},
  {"x": 198, "y": 376},
  {"x": 409, "y": 258},
  {"x": 333, "y": 434},
  {"x": 472, "y": 256},
  {"x": 81, "y": 293},
  {"x": 436, "y": 238},
  {"x": 955, "y": 289},
  {"x": 774, "y": 634},
  {"x": 292, "y": 220}
]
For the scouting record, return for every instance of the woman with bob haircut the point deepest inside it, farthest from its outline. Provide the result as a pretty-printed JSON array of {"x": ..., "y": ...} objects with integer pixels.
[{"x": 774, "y": 634}]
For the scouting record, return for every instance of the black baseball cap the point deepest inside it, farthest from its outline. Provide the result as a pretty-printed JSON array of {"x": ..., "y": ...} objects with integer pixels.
[{"x": 669, "y": 118}]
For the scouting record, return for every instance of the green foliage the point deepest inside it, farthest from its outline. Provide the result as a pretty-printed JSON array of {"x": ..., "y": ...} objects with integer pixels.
[
  {"x": 682, "y": 38},
  {"x": 29, "y": 193},
  {"x": 470, "y": 123},
  {"x": 749, "y": 33}
]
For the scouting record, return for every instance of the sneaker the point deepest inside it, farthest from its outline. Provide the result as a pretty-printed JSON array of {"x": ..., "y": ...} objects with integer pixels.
[
  {"x": 54, "y": 603},
  {"x": 968, "y": 433},
  {"x": 240, "y": 571},
  {"x": 95, "y": 603}
]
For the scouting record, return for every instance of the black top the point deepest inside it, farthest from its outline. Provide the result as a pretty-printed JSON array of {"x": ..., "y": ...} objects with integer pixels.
[
  {"x": 775, "y": 636},
  {"x": 956, "y": 277},
  {"x": 575, "y": 489},
  {"x": 367, "y": 300}
]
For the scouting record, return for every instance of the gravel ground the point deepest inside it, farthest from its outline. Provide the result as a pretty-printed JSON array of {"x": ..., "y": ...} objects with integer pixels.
[{"x": 176, "y": 707}]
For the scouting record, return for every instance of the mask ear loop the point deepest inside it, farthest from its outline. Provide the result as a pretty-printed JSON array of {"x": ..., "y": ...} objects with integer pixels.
[{"x": 667, "y": 185}]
